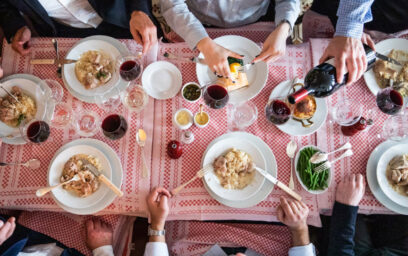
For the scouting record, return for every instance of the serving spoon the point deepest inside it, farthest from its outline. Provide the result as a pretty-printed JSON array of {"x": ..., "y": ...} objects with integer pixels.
[
  {"x": 141, "y": 140},
  {"x": 319, "y": 157},
  {"x": 290, "y": 151}
]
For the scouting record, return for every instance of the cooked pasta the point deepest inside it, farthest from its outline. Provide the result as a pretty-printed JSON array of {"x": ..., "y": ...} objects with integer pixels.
[
  {"x": 88, "y": 182},
  {"x": 235, "y": 170}
]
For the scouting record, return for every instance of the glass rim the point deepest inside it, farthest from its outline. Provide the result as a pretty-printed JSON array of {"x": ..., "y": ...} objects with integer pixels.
[
  {"x": 354, "y": 120},
  {"x": 24, "y": 127},
  {"x": 122, "y": 121},
  {"x": 214, "y": 84}
]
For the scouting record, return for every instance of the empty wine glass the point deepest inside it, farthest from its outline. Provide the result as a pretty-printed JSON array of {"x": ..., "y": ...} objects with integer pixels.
[
  {"x": 241, "y": 116},
  {"x": 110, "y": 101},
  {"x": 62, "y": 115},
  {"x": 135, "y": 98},
  {"x": 347, "y": 112},
  {"x": 395, "y": 128},
  {"x": 86, "y": 122}
]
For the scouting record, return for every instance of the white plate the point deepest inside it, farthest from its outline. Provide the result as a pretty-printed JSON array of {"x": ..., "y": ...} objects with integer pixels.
[
  {"x": 271, "y": 167},
  {"x": 162, "y": 80},
  {"x": 384, "y": 47},
  {"x": 371, "y": 173},
  {"x": 221, "y": 147},
  {"x": 109, "y": 46},
  {"x": 316, "y": 192},
  {"x": 397, "y": 150},
  {"x": 35, "y": 88},
  {"x": 293, "y": 127},
  {"x": 257, "y": 74},
  {"x": 69, "y": 198},
  {"x": 117, "y": 175}
]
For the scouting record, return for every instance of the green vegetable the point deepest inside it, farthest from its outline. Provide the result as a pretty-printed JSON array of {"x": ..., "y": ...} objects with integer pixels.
[
  {"x": 311, "y": 179},
  {"x": 101, "y": 74},
  {"x": 191, "y": 92},
  {"x": 235, "y": 60},
  {"x": 21, "y": 117}
]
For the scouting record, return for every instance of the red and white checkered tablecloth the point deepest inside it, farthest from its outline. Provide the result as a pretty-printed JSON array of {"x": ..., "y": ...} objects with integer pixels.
[
  {"x": 329, "y": 137},
  {"x": 18, "y": 184},
  {"x": 191, "y": 238},
  {"x": 194, "y": 202}
]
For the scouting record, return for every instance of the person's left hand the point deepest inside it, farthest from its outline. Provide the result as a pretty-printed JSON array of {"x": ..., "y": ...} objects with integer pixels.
[
  {"x": 293, "y": 214},
  {"x": 7, "y": 229},
  {"x": 275, "y": 45},
  {"x": 157, "y": 203},
  {"x": 98, "y": 234},
  {"x": 143, "y": 30}
]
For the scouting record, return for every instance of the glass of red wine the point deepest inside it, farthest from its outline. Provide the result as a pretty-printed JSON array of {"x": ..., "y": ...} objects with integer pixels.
[
  {"x": 390, "y": 101},
  {"x": 35, "y": 131},
  {"x": 277, "y": 111},
  {"x": 130, "y": 67},
  {"x": 215, "y": 96},
  {"x": 114, "y": 126}
]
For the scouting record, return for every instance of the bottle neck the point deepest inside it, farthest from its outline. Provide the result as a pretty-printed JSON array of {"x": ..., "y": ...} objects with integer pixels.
[{"x": 298, "y": 96}]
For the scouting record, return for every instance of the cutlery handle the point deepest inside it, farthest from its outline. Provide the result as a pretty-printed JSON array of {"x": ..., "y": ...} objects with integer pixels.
[
  {"x": 145, "y": 172},
  {"x": 3, "y": 164},
  {"x": 42, "y": 191},
  {"x": 291, "y": 183},
  {"x": 345, "y": 146},
  {"x": 110, "y": 185},
  {"x": 349, "y": 152},
  {"x": 179, "y": 188},
  {"x": 289, "y": 191},
  {"x": 42, "y": 61}
]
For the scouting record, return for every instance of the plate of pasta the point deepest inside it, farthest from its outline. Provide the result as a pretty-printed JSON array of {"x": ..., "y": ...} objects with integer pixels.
[
  {"x": 233, "y": 176},
  {"x": 87, "y": 190}
]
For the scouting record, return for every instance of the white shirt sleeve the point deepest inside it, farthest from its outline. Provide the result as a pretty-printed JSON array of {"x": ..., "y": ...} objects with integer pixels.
[
  {"x": 306, "y": 250},
  {"x": 105, "y": 250},
  {"x": 156, "y": 249}
]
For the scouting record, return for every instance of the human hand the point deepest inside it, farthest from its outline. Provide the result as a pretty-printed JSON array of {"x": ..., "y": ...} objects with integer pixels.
[
  {"x": 7, "y": 229},
  {"x": 98, "y": 234},
  {"x": 1, "y": 72},
  {"x": 351, "y": 190},
  {"x": 348, "y": 55},
  {"x": 274, "y": 46},
  {"x": 216, "y": 56},
  {"x": 366, "y": 39},
  {"x": 293, "y": 214},
  {"x": 21, "y": 41},
  {"x": 157, "y": 203},
  {"x": 143, "y": 30}
]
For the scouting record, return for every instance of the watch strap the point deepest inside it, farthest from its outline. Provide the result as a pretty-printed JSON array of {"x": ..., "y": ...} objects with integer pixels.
[{"x": 152, "y": 232}]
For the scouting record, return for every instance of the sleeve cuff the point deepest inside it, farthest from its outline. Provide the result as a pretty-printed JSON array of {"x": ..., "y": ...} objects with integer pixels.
[
  {"x": 194, "y": 37},
  {"x": 287, "y": 10},
  {"x": 306, "y": 250},
  {"x": 156, "y": 249},
  {"x": 349, "y": 28},
  {"x": 105, "y": 250}
]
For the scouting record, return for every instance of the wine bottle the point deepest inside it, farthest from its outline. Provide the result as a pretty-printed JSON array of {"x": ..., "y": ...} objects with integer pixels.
[{"x": 321, "y": 80}]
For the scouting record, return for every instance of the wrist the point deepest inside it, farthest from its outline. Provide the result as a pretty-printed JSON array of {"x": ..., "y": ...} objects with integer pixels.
[
  {"x": 157, "y": 225},
  {"x": 136, "y": 13},
  {"x": 300, "y": 236},
  {"x": 204, "y": 43}
]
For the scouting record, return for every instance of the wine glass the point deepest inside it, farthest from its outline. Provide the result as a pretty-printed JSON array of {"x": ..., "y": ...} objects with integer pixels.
[
  {"x": 241, "y": 116},
  {"x": 277, "y": 111},
  {"x": 86, "y": 122},
  {"x": 395, "y": 128},
  {"x": 35, "y": 131},
  {"x": 62, "y": 115},
  {"x": 390, "y": 101},
  {"x": 215, "y": 96},
  {"x": 347, "y": 112},
  {"x": 135, "y": 98},
  {"x": 130, "y": 67},
  {"x": 114, "y": 126},
  {"x": 109, "y": 101}
]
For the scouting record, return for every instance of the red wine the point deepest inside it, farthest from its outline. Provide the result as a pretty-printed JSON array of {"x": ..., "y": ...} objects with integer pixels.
[
  {"x": 390, "y": 101},
  {"x": 216, "y": 96},
  {"x": 353, "y": 129},
  {"x": 129, "y": 70},
  {"x": 38, "y": 131},
  {"x": 277, "y": 111},
  {"x": 114, "y": 126},
  {"x": 321, "y": 80}
]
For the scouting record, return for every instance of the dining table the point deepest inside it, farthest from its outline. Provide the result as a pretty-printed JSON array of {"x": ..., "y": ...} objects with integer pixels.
[{"x": 19, "y": 184}]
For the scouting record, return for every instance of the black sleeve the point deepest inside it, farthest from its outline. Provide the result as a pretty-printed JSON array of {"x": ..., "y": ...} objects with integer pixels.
[
  {"x": 10, "y": 19},
  {"x": 342, "y": 229},
  {"x": 140, "y": 5}
]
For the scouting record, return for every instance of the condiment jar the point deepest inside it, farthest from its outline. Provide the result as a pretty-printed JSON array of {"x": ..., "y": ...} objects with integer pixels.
[
  {"x": 183, "y": 119},
  {"x": 201, "y": 119},
  {"x": 188, "y": 89}
]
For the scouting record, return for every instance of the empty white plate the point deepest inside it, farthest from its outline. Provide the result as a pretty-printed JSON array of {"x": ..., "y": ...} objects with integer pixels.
[
  {"x": 69, "y": 198},
  {"x": 162, "y": 80}
]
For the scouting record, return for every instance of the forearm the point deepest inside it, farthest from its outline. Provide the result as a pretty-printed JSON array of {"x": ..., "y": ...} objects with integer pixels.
[
  {"x": 183, "y": 22},
  {"x": 10, "y": 19},
  {"x": 287, "y": 10},
  {"x": 342, "y": 229},
  {"x": 352, "y": 14}
]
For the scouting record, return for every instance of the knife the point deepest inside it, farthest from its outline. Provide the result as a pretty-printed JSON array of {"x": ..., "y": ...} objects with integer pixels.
[
  {"x": 386, "y": 58},
  {"x": 51, "y": 61},
  {"x": 245, "y": 67},
  {"x": 88, "y": 166},
  {"x": 172, "y": 56},
  {"x": 282, "y": 186}
]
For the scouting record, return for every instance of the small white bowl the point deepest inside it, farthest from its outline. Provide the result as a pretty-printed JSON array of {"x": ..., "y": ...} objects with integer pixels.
[
  {"x": 329, "y": 179},
  {"x": 201, "y": 125},
  {"x": 184, "y": 86},
  {"x": 188, "y": 125}
]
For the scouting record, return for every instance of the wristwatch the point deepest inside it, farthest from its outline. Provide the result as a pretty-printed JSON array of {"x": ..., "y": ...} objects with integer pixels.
[{"x": 152, "y": 232}]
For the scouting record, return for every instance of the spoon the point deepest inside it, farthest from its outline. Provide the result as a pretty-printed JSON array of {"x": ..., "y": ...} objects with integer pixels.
[
  {"x": 290, "y": 151},
  {"x": 32, "y": 164},
  {"x": 319, "y": 157},
  {"x": 141, "y": 139},
  {"x": 42, "y": 191}
]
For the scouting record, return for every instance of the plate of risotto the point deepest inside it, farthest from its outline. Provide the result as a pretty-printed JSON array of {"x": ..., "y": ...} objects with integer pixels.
[
  {"x": 233, "y": 176},
  {"x": 86, "y": 191}
]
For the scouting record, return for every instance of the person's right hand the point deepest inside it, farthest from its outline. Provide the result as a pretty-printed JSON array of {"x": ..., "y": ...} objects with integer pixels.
[
  {"x": 216, "y": 56},
  {"x": 157, "y": 203},
  {"x": 21, "y": 41},
  {"x": 7, "y": 229},
  {"x": 98, "y": 234},
  {"x": 143, "y": 30},
  {"x": 351, "y": 190},
  {"x": 293, "y": 214}
]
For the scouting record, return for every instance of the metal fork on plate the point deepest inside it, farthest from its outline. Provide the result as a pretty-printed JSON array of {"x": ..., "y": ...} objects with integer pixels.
[{"x": 201, "y": 173}]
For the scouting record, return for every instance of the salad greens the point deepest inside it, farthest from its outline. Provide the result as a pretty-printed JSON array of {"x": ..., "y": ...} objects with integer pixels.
[{"x": 311, "y": 179}]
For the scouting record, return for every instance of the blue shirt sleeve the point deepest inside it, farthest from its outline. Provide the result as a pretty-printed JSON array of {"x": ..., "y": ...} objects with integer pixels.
[
  {"x": 342, "y": 229},
  {"x": 352, "y": 14}
]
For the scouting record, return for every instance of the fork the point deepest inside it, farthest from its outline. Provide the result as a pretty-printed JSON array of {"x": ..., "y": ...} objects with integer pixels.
[
  {"x": 326, "y": 165},
  {"x": 201, "y": 173},
  {"x": 55, "y": 43}
]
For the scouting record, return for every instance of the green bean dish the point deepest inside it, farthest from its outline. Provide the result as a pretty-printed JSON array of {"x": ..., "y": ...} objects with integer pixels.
[{"x": 311, "y": 179}]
